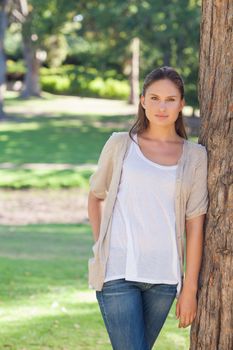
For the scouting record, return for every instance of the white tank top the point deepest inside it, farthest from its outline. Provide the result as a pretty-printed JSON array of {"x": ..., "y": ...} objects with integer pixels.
[{"x": 143, "y": 241}]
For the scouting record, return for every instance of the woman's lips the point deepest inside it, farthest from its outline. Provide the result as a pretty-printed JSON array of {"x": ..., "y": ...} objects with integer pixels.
[{"x": 161, "y": 116}]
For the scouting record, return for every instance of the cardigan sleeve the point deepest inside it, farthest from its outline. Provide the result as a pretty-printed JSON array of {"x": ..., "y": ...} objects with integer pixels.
[
  {"x": 101, "y": 178},
  {"x": 197, "y": 203}
]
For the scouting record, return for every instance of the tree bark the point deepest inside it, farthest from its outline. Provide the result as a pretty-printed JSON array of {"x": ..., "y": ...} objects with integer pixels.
[
  {"x": 213, "y": 325},
  {"x": 3, "y": 25},
  {"x": 134, "y": 76},
  {"x": 31, "y": 80}
]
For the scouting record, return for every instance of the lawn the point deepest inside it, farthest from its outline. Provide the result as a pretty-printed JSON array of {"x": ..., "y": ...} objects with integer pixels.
[
  {"x": 54, "y": 138},
  {"x": 45, "y": 302}
]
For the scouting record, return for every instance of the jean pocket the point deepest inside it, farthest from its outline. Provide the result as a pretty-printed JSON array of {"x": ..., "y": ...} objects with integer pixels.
[{"x": 168, "y": 288}]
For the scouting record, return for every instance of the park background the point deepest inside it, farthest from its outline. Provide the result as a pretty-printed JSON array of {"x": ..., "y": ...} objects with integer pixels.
[{"x": 70, "y": 82}]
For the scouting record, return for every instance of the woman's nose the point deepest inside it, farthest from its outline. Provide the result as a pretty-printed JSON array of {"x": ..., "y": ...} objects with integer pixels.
[{"x": 162, "y": 105}]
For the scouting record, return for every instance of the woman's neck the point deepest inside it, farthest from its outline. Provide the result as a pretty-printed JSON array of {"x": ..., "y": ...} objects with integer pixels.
[{"x": 161, "y": 134}]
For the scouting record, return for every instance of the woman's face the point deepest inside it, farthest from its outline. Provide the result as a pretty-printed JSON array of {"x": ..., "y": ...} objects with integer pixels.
[{"x": 162, "y": 102}]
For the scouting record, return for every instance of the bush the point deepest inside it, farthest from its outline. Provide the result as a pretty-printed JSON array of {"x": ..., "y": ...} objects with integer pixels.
[
  {"x": 77, "y": 80},
  {"x": 85, "y": 84},
  {"x": 55, "y": 84},
  {"x": 15, "y": 70},
  {"x": 110, "y": 88}
]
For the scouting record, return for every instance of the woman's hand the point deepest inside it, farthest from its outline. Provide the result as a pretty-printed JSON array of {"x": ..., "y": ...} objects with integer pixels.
[{"x": 186, "y": 307}]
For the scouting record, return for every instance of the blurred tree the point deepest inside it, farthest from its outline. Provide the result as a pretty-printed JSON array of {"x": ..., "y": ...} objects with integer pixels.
[
  {"x": 168, "y": 33},
  {"x": 4, "y": 8},
  {"x": 42, "y": 37},
  {"x": 134, "y": 72},
  {"x": 99, "y": 34},
  {"x": 31, "y": 56}
]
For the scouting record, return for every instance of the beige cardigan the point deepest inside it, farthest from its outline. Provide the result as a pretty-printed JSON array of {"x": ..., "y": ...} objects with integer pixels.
[{"x": 191, "y": 196}]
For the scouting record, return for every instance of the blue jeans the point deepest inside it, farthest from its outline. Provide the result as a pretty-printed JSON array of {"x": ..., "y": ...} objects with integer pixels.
[{"x": 134, "y": 312}]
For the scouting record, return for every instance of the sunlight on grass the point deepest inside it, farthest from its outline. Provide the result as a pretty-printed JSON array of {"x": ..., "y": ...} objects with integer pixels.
[
  {"x": 47, "y": 305},
  {"x": 19, "y": 127},
  {"x": 45, "y": 302},
  {"x": 178, "y": 340},
  {"x": 14, "y": 97},
  {"x": 70, "y": 105}
]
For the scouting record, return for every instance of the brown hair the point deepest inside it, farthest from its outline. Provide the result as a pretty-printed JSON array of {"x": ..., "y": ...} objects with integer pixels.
[{"x": 142, "y": 122}]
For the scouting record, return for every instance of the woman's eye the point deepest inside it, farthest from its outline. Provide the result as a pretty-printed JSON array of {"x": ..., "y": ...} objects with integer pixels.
[{"x": 156, "y": 98}]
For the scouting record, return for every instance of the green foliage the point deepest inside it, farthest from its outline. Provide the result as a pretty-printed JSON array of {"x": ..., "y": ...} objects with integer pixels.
[
  {"x": 109, "y": 88},
  {"x": 56, "y": 84},
  {"x": 16, "y": 67},
  {"x": 73, "y": 80},
  {"x": 13, "y": 41},
  {"x": 168, "y": 32},
  {"x": 69, "y": 85},
  {"x": 56, "y": 49}
]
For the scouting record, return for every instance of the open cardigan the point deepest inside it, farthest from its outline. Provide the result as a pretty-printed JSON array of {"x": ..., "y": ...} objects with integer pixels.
[{"x": 191, "y": 196}]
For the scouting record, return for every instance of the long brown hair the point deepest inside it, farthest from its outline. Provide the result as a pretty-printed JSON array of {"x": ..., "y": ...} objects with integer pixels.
[{"x": 142, "y": 122}]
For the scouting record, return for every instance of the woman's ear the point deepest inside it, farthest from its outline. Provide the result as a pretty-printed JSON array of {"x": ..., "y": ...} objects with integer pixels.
[{"x": 142, "y": 100}]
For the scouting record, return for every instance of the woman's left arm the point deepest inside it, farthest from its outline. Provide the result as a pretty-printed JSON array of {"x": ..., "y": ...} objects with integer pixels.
[{"x": 187, "y": 302}]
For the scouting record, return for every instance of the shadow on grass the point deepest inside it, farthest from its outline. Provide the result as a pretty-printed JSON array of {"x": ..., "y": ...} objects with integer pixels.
[{"x": 63, "y": 139}]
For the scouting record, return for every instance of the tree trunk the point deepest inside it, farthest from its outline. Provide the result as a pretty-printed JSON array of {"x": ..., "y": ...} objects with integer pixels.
[
  {"x": 213, "y": 325},
  {"x": 3, "y": 25},
  {"x": 134, "y": 76},
  {"x": 31, "y": 80}
]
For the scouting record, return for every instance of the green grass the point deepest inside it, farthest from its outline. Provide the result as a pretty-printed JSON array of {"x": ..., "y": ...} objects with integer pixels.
[
  {"x": 42, "y": 178},
  {"x": 55, "y": 138},
  {"x": 61, "y": 139},
  {"x": 45, "y": 302}
]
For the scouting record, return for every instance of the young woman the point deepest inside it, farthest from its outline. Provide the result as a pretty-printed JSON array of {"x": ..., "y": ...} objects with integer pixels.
[{"x": 149, "y": 190}]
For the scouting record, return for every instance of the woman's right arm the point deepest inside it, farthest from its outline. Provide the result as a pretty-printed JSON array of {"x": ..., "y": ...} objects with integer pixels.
[
  {"x": 99, "y": 185},
  {"x": 95, "y": 210}
]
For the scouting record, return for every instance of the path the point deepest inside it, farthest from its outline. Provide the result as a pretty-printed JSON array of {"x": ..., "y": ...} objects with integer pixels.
[
  {"x": 43, "y": 206},
  {"x": 72, "y": 104}
]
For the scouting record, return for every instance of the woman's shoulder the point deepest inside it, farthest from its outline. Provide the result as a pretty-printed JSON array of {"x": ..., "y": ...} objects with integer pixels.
[
  {"x": 197, "y": 152},
  {"x": 119, "y": 135},
  {"x": 196, "y": 147},
  {"x": 115, "y": 139}
]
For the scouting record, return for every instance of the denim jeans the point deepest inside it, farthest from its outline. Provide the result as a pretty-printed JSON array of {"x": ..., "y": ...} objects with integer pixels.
[{"x": 134, "y": 312}]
